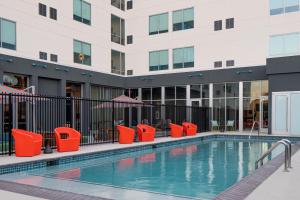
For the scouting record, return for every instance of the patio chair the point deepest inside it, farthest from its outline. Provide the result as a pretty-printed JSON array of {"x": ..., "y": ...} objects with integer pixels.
[
  {"x": 176, "y": 130},
  {"x": 215, "y": 125},
  {"x": 189, "y": 129},
  {"x": 126, "y": 135},
  {"x": 145, "y": 133},
  {"x": 230, "y": 125},
  {"x": 27, "y": 144},
  {"x": 67, "y": 139}
]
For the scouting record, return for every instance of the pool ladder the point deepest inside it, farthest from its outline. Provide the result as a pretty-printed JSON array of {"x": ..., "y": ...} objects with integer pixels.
[{"x": 287, "y": 154}]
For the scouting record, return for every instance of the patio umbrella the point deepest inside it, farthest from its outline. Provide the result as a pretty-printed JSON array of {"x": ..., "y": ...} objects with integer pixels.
[{"x": 121, "y": 102}]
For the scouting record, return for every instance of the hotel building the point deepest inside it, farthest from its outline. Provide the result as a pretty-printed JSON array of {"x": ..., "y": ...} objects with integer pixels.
[{"x": 241, "y": 58}]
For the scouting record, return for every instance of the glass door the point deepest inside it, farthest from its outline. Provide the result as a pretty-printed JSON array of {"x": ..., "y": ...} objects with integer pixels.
[
  {"x": 295, "y": 113},
  {"x": 264, "y": 114}
]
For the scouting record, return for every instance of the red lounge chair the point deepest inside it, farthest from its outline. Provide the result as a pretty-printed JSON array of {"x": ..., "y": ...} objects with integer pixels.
[
  {"x": 176, "y": 130},
  {"x": 126, "y": 135},
  {"x": 67, "y": 139},
  {"x": 145, "y": 133},
  {"x": 189, "y": 129},
  {"x": 27, "y": 144}
]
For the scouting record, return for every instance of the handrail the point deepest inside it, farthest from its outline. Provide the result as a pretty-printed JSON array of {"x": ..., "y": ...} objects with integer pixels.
[
  {"x": 290, "y": 151},
  {"x": 253, "y": 125},
  {"x": 287, "y": 154}
]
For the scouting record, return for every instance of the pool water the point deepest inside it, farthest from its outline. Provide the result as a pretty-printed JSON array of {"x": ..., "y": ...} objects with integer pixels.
[{"x": 195, "y": 170}]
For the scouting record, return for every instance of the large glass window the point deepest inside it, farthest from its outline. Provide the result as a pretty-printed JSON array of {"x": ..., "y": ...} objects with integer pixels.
[
  {"x": 82, "y": 52},
  {"x": 117, "y": 30},
  {"x": 82, "y": 11},
  {"x": 158, "y": 24},
  {"x": 158, "y": 60},
  {"x": 225, "y": 106},
  {"x": 7, "y": 34},
  {"x": 284, "y": 45},
  {"x": 183, "y": 19},
  {"x": 117, "y": 62},
  {"x": 118, "y": 4},
  {"x": 183, "y": 57},
  {"x": 283, "y": 6}
]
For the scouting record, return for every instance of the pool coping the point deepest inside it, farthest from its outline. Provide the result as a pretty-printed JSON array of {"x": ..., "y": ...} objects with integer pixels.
[
  {"x": 243, "y": 188},
  {"x": 44, "y": 193}
]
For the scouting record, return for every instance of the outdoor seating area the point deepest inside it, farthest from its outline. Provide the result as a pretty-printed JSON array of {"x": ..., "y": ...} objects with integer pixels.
[
  {"x": 29, "y": 144},
  {"x": 90, "y": 121}
]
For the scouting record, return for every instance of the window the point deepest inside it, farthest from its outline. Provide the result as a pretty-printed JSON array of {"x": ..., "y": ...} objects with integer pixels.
[
  {"x": 284, "y": 45},
  {"x": 129, "y": 39},
  {"x": 118, "y": 4},
  {"x": 117, "y": 62},
  {"x": 158, "y": 60},
  {"x": 117, "y": 30},
  {"x": 183, "y": 57},
  {"x": 158, "y": 24},
  {"x": 53, "y": 57},
  {"x": 218, "y": 25},
  {"x": 218, "y": 64},
  {"x": 129, "y": 5},
  {"x": 130, "y": 72},
  {"x": 283, "y": 6},
  {"x": 82, "y": 11},
  {"x": 82, "y": 53},
  {"x": 43, "y": 55},
  {"x": 183, "y": 19},
  {"x": 229, "y": 23},
  {"x": 7, "y": 34},
  {"x": 42, "y": 10},
  {"x": 229, "y": 63},
  {"x": 53, "y": 13}
]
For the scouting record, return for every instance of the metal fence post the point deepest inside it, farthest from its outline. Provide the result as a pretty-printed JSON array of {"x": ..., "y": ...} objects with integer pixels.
[
  {"x": 10, "y": 126},
  {"x": 113, "y": 121}
]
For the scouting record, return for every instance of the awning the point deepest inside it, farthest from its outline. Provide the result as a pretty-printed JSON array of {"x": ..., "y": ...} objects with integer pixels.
[{"x": 9, "y": 90}]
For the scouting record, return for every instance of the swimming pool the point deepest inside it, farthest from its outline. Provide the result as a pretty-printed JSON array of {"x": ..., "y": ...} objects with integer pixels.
[{"x": 200, "y": 169}]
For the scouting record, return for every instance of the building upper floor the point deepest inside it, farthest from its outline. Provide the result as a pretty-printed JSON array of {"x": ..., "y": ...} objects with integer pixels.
[{"x": 142, "y": 37}]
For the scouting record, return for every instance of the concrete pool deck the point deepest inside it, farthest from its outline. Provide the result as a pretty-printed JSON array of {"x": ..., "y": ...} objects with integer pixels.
[
  {"x": 257, "y": 193},
  {"x": 280, "y": 185}
]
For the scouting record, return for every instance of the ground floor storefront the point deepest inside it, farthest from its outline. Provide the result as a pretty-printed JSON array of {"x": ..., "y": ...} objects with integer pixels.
[{"x": 241, "y": 99}]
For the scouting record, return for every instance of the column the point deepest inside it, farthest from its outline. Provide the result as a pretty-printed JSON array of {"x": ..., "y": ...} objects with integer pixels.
[{"x": 241, "y": 107}]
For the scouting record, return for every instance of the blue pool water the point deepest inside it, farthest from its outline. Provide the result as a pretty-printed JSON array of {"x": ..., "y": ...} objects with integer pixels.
[{"x": 196, "y": 170}]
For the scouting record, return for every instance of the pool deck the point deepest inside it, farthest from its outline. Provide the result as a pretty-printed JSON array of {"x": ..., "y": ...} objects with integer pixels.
[{"x": 278, "y": 185}]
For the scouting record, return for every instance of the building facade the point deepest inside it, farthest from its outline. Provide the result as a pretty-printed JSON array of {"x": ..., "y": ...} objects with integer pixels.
[{"x": 239, "y": 58}]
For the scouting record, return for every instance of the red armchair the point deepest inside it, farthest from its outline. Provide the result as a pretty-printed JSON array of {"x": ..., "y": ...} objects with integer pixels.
[
  {"x": 67, "y": 139},
  {"x": 27, "y": 144},
  {"x": 176, "y": 130},
  {"x": 145, "y": 133},
  {"x": 126, "y": 135},
  {"x": 189, "y": 129}
]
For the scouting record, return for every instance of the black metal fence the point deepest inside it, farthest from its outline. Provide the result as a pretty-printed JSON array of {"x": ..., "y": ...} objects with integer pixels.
[{"x": 95, "y": 119}]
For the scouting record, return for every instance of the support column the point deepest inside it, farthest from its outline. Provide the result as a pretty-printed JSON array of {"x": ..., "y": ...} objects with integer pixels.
[
  {"x": 34, "y": 81},
  {"x": 241, "y": 106},
  {"x": 63, "y": 84},
  {"x": 1, "y": 76}
]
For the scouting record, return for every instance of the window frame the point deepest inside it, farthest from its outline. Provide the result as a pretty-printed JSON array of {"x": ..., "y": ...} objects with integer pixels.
[
  {"x": 42, "y": 10},
  {"x": 183, "y": 57},
  {"x": 183, "y": 22},
  {"x": 159, "y": 66},
  {"x": 15, "y": 34},
  {"x": 158, "y": 31},
  {"x": 80, "y": 18},
  {"x": 284, "y": 53},
  {"x": 81, "y": 43},
  {"x": 53, "y": 11}
]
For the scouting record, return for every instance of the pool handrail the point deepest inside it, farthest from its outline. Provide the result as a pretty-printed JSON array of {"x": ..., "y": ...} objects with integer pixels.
[{"x": 287, "y": 154}]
